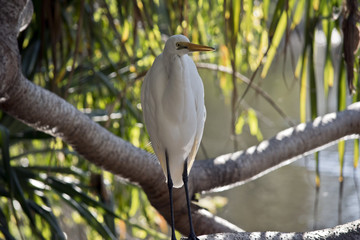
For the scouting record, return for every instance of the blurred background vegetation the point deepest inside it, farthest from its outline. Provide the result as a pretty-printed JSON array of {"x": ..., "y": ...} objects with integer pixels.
[{"x": 95, "y": 54}]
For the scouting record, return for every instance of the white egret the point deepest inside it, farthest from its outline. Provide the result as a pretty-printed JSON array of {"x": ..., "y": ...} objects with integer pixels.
[{"x": 172, "y": 99}]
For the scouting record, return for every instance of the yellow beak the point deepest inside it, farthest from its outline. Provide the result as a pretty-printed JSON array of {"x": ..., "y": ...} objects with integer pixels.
[{"x": 192, "y": 47}]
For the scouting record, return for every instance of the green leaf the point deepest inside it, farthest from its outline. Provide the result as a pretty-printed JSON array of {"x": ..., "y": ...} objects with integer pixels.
[
  {"x": 342, "y": 88},
  {"x": 279, "y": 32},
  {"x": 253, "y": 124},
  {"x": 299, "y": 11},
  {"x": 328, "y": 74},
  {"x": 4, "y": 228},
  {"x": 107, "y": 83},
  {"x": 11, "y": 178},
  {"x": 49, "y": 169},
  {"x": 356, "y": 153},
  {"x": 20, "y": 196},
  {"x": 239, "y": 124},
  {"x": 236, "y": 16},
  {"x": 134, "y": 204},
  {"x": 298, "y": 69},
  {"x": 14, "y": 186},
  {"x": 6, "y": 233},
  {"x": 49, "y": 217},
  {"x": 303, "y": 89},
  {"x": 341, "y": 150},
  {"x": 317, "y": 170},
  {"x": 326, "y": 12},
  {"x": 252, "y": 120},
  {"x": 316, "y": 4},
  {"x": 248, "y": 4},
  {"x": 312, "y": 80},
  {"x": 356, "y": 82},
  {"x": 266, "y": 6},
  {"x": 277, "y": 14},
  {"x": 77, "y": 195},
  {"x": 103, "y": 230}
]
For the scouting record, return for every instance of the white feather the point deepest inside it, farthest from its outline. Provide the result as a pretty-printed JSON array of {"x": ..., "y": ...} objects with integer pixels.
[{"x": 173, "y": 105}]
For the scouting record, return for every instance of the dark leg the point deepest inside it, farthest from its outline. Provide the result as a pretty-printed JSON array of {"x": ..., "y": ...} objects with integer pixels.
[
  {"x": 170, "y": 187},
  {"x": 192, "y": 235}
]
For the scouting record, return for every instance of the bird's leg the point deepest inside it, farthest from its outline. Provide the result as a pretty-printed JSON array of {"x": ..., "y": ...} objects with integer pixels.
[
  {"x": 170, "y": 187},
  {"x": 192, "y": 235}
]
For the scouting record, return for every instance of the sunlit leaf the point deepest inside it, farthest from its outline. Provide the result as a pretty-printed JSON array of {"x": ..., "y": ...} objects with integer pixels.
[
  {"x": 279, "y": 32},
  {"x": 239, "y": 124},
  {"x": 236, "y": 16},
  {"x": 326, "y": 11},
  {"x": 315, "y": 4},
  {"x": 328, "y": 75},
  {"x": 122, "y": 229},
  {"x": 134, "y": 202},
  {"x": 303, "y": 90},
  {"x": 356, "y": 153},
  {"x": 356, "y": 82},
  {"x": 253, "y": 124},
  {"x": 341, "y": 150},
  {"x": 298, "y": 69},
  {"x": 299, "y": 11},
  {"x": 119, "y": 42},
  {"x": 248, "y": 21},
  {"x": 276, "y": 18},
  {"x": 126, "y": 31},
  {"x": 262, "y": 46},
  {"x": 317, "y": 170},
  {"x": 342, "y": 88},
  {"x": 266, "y": 6}
]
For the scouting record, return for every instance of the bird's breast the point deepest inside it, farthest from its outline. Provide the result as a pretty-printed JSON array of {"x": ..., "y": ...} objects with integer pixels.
[{"x": 179, "y": 119}]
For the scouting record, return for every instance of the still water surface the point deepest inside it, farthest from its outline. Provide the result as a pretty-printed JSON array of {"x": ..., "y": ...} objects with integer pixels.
[{"x": 284, "y": 199}]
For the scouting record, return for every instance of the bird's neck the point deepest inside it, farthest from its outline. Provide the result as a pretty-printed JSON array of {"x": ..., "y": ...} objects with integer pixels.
[
  {"x": 175, "y": 66},
  {"x": 176, "y": 87}
]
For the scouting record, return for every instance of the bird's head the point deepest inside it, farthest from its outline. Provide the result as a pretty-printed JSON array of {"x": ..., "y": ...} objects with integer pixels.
[{"x": 180, "y": 45}]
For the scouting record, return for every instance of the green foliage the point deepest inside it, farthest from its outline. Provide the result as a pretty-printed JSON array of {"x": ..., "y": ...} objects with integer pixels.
[
  {"x": 40, "y": 188},
  {"x": 250, "y": 118},
  {"x": 94, "y": 54}
]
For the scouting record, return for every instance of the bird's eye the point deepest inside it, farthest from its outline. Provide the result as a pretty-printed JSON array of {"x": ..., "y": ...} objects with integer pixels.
[{"x": 178, "y": 45}]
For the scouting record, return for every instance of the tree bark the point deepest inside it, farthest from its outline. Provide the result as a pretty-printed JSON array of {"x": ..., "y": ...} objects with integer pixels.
[
  {"x": 45, "y": 111},
  {"x": 49, "y": 113},
  {"x": 284, "y": 148},
  {"x": 347, "y": 231}
]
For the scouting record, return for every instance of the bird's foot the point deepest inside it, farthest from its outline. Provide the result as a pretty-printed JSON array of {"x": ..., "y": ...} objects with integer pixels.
[{"x": 192, "y": 236}]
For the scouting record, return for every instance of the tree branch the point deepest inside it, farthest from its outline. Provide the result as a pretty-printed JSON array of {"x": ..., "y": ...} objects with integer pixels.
[
  {"x": 347, "y": 231},
  {"x": 287, "y": 146},
  {"x": 45, "y": 111},
  {"x": 246, "y": 80},
  {"x": 49, "y": 113}
]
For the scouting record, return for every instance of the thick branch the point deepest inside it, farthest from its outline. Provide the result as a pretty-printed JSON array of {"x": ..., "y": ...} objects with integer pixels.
[
  {"x": 47, "y": 112},
  {"x": 347, "y": 231},
  {"x": 285, "y": 147}
]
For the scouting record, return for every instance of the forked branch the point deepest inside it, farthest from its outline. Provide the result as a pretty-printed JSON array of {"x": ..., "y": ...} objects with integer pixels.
[{"x": 28, "y": 103}]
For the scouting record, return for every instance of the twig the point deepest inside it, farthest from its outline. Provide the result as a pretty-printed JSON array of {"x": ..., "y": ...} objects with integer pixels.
[{"x": 246, "y": 80}]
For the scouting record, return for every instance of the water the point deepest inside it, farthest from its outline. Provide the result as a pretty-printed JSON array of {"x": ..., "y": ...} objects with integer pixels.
[{"x": 284, "y": 199}]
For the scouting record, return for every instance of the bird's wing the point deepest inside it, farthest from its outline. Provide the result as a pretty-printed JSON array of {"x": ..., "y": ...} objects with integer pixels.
[
  {"x": 198, "y": 88},
  {"x": 149, "y": 98}
]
